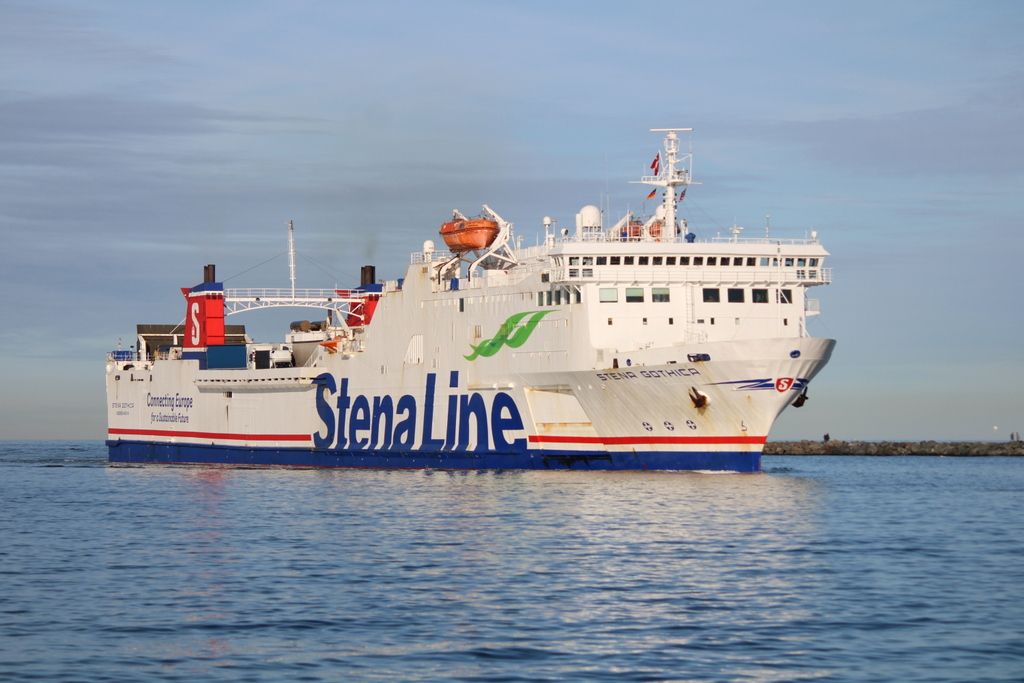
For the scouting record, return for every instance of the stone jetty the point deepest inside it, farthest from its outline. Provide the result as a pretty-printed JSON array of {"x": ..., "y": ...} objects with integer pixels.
[{"x": 955, "y": 448}]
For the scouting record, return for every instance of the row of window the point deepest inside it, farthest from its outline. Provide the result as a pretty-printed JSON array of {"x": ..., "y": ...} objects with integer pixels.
[
  {"x": 738, "y": 296},
  {"x": 637, "y": 295},
  {"x": 557, "y": 297},
  {"x": 700, "y": 321},
  {"x": 712, "y": 295},
  {"x": 801, "y": 273},
  {"x": 788, "y": 261}
]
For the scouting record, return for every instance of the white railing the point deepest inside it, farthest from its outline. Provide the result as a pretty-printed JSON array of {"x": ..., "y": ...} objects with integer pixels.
[
  {"x": 281, "y": 294},
  {"x": 692, "y": 274},
  {"x": 430, "y": 256},
  {"x": 680, "y": 239}
]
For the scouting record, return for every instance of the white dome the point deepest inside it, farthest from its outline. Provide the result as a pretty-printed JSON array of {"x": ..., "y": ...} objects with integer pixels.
[{"x": 590, "y": 217}]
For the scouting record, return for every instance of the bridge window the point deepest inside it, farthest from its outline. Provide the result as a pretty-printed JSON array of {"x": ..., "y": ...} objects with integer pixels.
[
  {"x": 602, "y": 260},
  {"x": 759, "y": 296},
  {"x": 643, "y": 261},
  {"x": 751, "y": 261},
  {"x": 615, "y": 260},
  {"x": 764, "y": 260},
  {"x": 789, "y": 262},
  {"x": 737, "y": 261},
  {"x": 659, "y": 294},
  {"x": 634, "y": 295},
  {"x": 698, "y": 260},
  {"x": 801, "y": 262},
  {"x": 656, "y": 261},
  {"x": 670, "y": 260},
  {"x": 736, "y": 296},
  {"x": 588, "y": 260},
  {"x": 627, "y": 260},
  {"x": 574, "y": 260},
  {"x": 684, "y": 261},
  {"x": 712, "y": 260},
  {"x": 610, "y": 295},
  {"x": 787, "y": 296},
  {"x": 814, "y": 262},
  {"x": 711, "y": 296}
]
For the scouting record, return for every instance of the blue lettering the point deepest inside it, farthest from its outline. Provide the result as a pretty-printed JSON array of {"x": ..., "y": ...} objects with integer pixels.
[
  {"x": 359, "y": 421},
  {"x": 343, "y": 403},
  {"x": 472, "y": 406},
  {"x": 453, "y": 415},
  {"x": 324, "y": 387},
  {"x": 429, "y": 443},
  {"x": 503, "y": 403},
  {"x": 382, "y": 409},
  {"x": 391, "y": 426},
  {"x": 405, "y": 432}
]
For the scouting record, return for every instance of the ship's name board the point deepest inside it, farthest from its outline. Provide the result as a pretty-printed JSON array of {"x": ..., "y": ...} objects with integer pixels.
[
  {"x": 382, "y": 423},
  {"x": 648, "y": 374}
]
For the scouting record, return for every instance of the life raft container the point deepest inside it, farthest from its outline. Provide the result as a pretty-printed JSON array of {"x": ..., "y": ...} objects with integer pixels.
[{"x": 469, "y": 235}]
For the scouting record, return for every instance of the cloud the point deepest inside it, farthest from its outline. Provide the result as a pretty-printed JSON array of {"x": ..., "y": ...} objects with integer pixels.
[
  {"x": 101, "y": 118},
  {"x": 980, "y": 135}
]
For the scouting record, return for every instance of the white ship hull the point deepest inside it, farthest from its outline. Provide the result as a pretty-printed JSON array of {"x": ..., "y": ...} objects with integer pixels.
[{"x": 622, "y": 348}]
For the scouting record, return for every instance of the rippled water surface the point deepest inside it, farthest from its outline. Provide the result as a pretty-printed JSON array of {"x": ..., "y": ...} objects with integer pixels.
[{"x": 819, "y": 569}]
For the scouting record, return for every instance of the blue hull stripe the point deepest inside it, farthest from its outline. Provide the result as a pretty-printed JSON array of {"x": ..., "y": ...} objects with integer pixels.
[{"x": 177, "y": 453}]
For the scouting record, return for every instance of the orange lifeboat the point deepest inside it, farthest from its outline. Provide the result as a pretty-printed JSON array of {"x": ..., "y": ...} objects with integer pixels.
[
  {"x": 633, "y": 231},
  {"x": 469, "y": 235}
]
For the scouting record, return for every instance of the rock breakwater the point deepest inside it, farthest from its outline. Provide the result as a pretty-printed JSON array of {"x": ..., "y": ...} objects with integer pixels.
[{"x": 955, "y": 448}]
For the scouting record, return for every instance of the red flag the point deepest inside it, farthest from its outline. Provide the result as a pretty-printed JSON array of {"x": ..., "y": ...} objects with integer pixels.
[
  {"x": 682, "y": 195},
  {"x": 651, "y": 195},
  {"x": 656, "y": 164}
]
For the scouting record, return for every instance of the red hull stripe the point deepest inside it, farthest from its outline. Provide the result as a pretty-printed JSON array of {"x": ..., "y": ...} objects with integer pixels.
[
  {"x": 616, "y": 440},
  {"x": 628, "y": 440},
  {"x": 211, "y": 435}
]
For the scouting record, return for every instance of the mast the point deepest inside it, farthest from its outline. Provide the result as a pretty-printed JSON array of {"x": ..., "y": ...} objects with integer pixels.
[
  {"x": 670, "y": 177},
  {"x": 291, "y": 255}
]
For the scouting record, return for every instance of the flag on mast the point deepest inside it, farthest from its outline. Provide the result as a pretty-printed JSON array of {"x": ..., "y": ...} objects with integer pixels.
[
  {"x": 651, "y": 195},
  {"x": 656, "y": 164}
]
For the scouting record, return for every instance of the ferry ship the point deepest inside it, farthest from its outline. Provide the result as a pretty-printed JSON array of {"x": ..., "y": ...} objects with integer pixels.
[{"x": 630, "y": 346}]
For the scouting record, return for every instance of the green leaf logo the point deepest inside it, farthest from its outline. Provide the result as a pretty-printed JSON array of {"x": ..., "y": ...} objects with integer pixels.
[{"x": 508, "y": 335}]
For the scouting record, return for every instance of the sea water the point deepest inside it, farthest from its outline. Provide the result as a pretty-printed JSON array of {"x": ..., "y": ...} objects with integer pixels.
[{"x": 818, "y": 569}]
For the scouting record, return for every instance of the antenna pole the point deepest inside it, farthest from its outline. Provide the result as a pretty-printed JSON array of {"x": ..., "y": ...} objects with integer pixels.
[{"x": 291, "y": 255}]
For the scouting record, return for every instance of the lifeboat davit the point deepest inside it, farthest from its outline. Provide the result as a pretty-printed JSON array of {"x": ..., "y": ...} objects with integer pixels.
[{"x": 469, "y": 235}]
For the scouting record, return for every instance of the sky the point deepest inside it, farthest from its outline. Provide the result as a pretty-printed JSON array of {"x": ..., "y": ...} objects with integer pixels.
[{"x": 140, "y": 141}]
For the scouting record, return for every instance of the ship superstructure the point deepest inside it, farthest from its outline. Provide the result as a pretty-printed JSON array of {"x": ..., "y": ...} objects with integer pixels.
[{"x": 628, "y": 346}]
